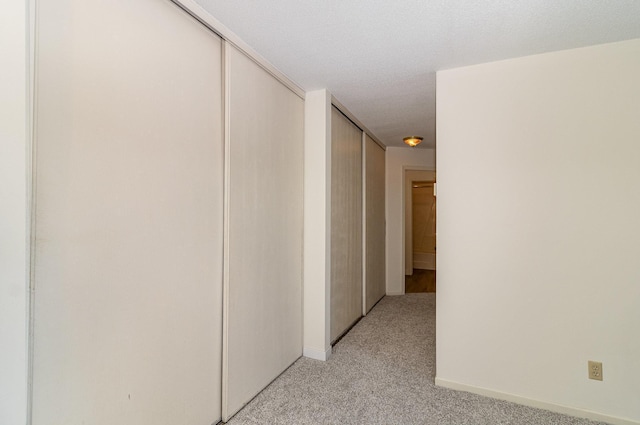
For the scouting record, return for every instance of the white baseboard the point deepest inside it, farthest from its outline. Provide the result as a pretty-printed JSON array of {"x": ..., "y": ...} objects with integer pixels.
[
  {"x": 558, "y": 408},
  {"x": 314, "y": 353},
  {"x": 395, "y": 293}
]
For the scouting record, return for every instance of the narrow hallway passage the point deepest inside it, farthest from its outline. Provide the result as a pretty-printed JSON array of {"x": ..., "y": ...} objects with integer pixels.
[
  {"x": 420, "y": 281},
  {"x": 382, "y": 372}
]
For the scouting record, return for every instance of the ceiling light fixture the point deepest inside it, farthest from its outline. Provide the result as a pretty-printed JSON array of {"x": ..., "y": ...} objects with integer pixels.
[{"x": 413, "y": 141}]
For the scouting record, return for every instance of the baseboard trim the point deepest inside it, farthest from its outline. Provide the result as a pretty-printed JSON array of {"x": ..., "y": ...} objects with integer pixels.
[
  {"x": 314, "y": 353},
  {"x": 558, "y": 408},
  {"x": 392, "y": 294}
]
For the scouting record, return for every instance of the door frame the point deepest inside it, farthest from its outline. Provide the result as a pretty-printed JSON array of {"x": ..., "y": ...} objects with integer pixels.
[
  {"x": 407, "y": 213},
  {"x": 411, "y": 256}
]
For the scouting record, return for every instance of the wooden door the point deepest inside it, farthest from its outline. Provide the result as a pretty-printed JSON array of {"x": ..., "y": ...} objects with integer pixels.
[
  {"x": 346, "y": 224},
  {"x": 424, "y": 225},
  {"x": 375, "y": 223}
]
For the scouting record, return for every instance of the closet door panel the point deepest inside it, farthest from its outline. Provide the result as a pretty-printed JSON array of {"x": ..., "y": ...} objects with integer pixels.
[
  {"x": 346, "y": 223},
  {"x": 263, "y": 288},
  {"x": 375, "y": 223},
  {"x": 128, "y": 215}
]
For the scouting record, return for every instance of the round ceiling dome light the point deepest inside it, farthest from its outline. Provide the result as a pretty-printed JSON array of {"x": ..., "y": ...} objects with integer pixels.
[{"x": 413, "y": 141}]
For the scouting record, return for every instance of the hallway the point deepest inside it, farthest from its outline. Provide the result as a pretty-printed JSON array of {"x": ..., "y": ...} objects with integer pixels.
[
  {"x": 382, "y": 372},
  {"x": 420, "y": 281}
]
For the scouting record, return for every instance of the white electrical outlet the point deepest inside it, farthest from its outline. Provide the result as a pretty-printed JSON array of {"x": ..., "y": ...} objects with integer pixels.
[{"x": 595, "y": 370}]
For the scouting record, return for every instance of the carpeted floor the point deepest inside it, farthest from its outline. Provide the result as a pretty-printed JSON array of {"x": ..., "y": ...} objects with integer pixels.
[{"x": 382, "y": 372}]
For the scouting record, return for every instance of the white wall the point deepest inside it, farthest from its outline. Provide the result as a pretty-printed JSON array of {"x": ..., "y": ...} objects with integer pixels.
[
  {"x": 397, "y": 160},
  {"x": 538, "y": 229},
  {"x": 13, "y": 213},
  {"x": 317, "y": 224}
]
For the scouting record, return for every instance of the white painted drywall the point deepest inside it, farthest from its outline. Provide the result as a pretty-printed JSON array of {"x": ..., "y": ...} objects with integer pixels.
[
  {"x": 128, "y": 261},
  {"x": 374, "y": 212},
  {"x": 13, "y": 213},
  {"x": 397, "y": 161},
  {"x": 346, "y": 223},
  {"x": 263, "y": 287},
  {"x": 538, "y": 229},
  {"x": 317, "y": 224}
]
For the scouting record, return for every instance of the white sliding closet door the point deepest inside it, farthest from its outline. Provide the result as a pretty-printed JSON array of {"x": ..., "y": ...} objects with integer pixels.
[
  {"x": 346, "y": 223},
  {"x": 263, "y": 279},
  {"x": 375, "y": 223},
  {"x": 128, "y": 215}
]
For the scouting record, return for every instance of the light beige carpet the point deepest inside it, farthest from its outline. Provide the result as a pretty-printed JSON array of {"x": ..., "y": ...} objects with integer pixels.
[{"x": 382, "y": 372}]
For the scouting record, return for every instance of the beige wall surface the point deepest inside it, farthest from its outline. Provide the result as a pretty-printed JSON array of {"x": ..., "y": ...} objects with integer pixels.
[
  {"x": 398, "y": 160},
  {"x": 13, "y": 213},
  {"x": 538, "y": 272},
  {"x": 346, "y": 223},
  {"x": 317, "y": 224},
  {"x": 263, "y": 288},
  {"x": 374, "y": 223},
  {"x": 128, "y": 227}
]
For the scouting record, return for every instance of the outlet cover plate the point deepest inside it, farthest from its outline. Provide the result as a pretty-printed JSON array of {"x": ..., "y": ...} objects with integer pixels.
[{"x": 595, "y": 370}]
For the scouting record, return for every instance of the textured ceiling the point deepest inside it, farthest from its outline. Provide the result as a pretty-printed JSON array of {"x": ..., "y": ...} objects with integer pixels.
[{"x": 379, "y": 57}]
